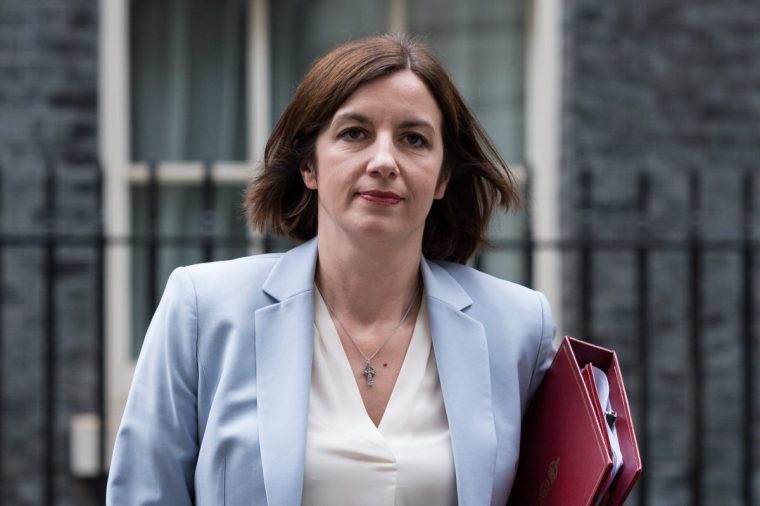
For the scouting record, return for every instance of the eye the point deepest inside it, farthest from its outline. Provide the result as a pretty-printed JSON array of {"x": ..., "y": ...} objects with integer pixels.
[
  {"x": 416, "y": 140},
  {"x": 353, "y": 134}
]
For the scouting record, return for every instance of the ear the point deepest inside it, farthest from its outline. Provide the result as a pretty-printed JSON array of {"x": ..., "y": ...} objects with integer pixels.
[
  {"x": 443, "y": 181},
  {"x": 308, "y": 174}
]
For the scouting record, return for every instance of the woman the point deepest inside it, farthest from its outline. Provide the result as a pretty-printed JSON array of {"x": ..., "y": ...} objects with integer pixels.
[{"x": 368, "y": 365}]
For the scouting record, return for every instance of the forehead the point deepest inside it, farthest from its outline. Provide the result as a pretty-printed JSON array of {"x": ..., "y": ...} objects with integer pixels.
[{"x": 400, "y": 94}]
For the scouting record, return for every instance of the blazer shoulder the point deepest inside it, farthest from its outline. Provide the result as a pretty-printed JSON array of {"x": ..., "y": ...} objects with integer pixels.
[
  {"x": 484, "y": 288},
  {"x": 249, "y": 271},
  {"x": 497, "y": 302},
  {"x": 224, "y": 287}
]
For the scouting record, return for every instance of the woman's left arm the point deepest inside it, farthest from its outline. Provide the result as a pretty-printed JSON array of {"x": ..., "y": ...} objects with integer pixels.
[{"x": 157, "y": 444}]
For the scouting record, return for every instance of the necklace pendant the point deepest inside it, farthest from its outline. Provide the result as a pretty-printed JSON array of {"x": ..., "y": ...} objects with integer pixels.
[{"x": 369, "y": 374}]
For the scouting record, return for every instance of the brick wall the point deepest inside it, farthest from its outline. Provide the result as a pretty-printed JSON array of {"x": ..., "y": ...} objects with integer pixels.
[
  {"x": 48, "y": 114},
  {"x": 667, "y": 86}
]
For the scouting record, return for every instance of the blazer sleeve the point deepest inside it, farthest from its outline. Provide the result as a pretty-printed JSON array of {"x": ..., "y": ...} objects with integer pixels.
[
  {"x": 156, "y": 446},
  {"x": 546, "y": 348}
]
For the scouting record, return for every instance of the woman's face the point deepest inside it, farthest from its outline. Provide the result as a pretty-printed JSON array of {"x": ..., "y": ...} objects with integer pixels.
[{"x": 378, "y": 162}]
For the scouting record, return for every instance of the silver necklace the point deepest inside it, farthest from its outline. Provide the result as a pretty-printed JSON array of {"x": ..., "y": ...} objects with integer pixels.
[{"x": 369, "y": 372}]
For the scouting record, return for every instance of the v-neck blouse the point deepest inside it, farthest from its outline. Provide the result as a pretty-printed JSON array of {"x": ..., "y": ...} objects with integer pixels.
[{"x": 405, "y": 460}]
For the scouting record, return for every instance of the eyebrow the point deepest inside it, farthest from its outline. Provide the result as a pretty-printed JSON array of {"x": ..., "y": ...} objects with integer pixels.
[
  {"x": 417, "y": 123},
  {"x": 361, "y": 118}
]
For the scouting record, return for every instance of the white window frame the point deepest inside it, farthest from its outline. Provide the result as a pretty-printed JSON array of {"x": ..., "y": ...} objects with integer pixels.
[
  {"x": 543, "y": 89},
  {"x": 120, "y": 173},
  {"x": 543, "y": 118}
]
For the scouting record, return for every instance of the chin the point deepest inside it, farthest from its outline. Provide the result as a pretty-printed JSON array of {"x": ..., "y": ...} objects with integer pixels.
[
  {"x": 376, "y": 233},
  {"x": 384, "y": 232}
]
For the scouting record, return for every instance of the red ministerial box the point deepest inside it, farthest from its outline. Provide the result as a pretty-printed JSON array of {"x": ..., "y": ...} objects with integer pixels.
[{"x": 565, "y": 454}]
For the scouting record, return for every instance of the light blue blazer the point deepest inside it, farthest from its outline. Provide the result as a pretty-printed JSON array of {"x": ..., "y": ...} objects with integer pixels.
[{"x": 218, "y": 408}]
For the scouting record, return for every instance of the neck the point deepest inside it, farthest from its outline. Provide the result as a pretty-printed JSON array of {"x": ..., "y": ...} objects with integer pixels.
[{"x": 369, "y": 281}]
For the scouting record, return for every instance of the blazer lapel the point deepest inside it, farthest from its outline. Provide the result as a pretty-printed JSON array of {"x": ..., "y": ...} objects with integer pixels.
[
  {"x": 461, "y": 354},
  {"x": 284, "y": 348}
]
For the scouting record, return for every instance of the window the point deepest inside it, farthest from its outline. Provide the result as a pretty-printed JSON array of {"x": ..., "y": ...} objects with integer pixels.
[{"x": 187, "y": 104}]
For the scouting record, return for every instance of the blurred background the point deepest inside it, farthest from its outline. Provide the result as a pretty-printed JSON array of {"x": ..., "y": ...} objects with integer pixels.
[{"x": 129, "y": 128}]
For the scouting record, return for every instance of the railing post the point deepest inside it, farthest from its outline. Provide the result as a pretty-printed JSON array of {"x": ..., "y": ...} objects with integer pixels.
[
  {"x": 100, "y": 327},
  {"x": 267, "y": 242},
  {"x": 642, "y": 270},
  {"x": 207, "y": 245},
  {"x": 2, "y": 333},
  {"x": 529, "y": 248},
  {"x": 152, "y": 243},
  {"x": 49, "y": 361},
  {"x": 695, "y": 332},
  {"x": 748, "y": 302},
  {"x": 586, "y": 182}
]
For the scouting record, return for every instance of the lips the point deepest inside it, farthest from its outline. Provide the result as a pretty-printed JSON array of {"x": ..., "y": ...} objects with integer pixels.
[{"x": 380, "y": 197}]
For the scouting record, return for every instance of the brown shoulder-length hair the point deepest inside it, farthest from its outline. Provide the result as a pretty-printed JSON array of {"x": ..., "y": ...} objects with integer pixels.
[{"x": 277, "y": 199}]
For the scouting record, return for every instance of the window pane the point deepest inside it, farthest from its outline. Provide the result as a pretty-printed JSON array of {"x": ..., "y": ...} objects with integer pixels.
[
  {"x": 481, "y": 42},
  {"x": 180, "y": 224},
  {"x": 187, "y": 79},
  {"x": 303, "y": 30}
]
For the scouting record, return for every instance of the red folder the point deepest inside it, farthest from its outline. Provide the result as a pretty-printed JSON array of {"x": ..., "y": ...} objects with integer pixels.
[{"x": 565, "y": 453}]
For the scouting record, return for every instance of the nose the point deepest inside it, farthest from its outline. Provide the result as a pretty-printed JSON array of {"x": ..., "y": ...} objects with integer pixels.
[{"x": 383, "y": 159}]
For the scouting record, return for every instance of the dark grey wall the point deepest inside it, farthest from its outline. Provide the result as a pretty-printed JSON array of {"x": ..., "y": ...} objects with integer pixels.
[
  {"x": 662, "y": 85},
  {"x": 667, "y": 86},
  {"x": 48, "y": 114}
]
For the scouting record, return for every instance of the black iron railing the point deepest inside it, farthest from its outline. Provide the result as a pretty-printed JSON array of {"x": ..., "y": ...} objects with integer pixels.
[{"x": 584, "y": 245}]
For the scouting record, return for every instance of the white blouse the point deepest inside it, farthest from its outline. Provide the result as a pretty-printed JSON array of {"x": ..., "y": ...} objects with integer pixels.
[{"x": 404, "y": 461}]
